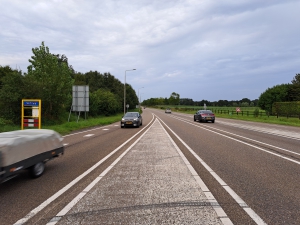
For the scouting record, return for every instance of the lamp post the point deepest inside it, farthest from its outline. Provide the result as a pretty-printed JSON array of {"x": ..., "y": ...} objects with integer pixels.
[
  {"x": 139, "y": 97},
  {"x": 125, "y": 89}
]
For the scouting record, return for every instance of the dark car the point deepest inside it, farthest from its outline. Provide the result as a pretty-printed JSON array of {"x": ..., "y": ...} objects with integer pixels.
[
  {"x": 131, "y": 119},
  {"x": 204, "y": 116}
]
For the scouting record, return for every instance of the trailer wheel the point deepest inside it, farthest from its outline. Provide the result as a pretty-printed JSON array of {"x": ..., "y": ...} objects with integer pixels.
[{"x": 37, "y": 170}]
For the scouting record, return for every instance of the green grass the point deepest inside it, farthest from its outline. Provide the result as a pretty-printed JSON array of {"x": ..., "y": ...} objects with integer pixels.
[
  {"x": 67, "y": 127},
  {"x": 263, "y": 119}
]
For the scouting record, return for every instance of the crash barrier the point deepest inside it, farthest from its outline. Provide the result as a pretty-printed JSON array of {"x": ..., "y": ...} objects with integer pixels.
[{"x": 31, "y": 113}]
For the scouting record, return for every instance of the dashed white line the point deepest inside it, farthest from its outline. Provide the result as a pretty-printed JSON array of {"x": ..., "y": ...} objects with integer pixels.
[
  {"x": 89, "y": 135},
  {"x": 214, "y": 203},
  {"x": 261, "y": 149},
  {"x": 235, "y": 196},
  {"x": 71, "y": 204},
  {"x": 72, "y": 183}
]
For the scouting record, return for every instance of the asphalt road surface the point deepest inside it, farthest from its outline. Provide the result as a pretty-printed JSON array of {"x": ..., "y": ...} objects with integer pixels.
[{"x": 252, "y": 169}]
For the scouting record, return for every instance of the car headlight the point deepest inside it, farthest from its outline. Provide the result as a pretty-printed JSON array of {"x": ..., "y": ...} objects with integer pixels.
[
  {"x": 123, "y": 120},
  {"x": 136, "y": 119}
]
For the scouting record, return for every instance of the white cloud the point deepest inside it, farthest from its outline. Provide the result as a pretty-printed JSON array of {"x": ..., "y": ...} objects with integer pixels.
[{"x": 182, "y": 45}]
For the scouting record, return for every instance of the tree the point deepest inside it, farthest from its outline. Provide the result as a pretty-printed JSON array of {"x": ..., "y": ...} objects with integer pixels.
[
  {"x": 49, "y": 78},
  {"x": 103, "y": 102},
  {"x": 295, "y": 88},
  {"x": 131, "y": 97},
  {"x": 11, "y": 94},
  {"x": 278, "y": 93},
  {"x": 174, "y": 99}
]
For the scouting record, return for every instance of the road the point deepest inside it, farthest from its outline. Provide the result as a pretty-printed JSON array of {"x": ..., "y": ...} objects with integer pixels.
[{"x": 252, "y": 169}]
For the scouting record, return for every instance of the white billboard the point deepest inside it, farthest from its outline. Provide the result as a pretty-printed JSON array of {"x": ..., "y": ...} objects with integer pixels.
[{"x": 80, "y": 101}]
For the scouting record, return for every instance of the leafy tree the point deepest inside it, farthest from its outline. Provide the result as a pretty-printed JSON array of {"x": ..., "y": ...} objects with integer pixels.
[
  {"x": 103, "y": 102},
  {"x": 174, "y": 99},
  {"x": 295, "y": 88},
  {"x": 11, "y": 94},
  {"x": 79, "y": 79},
  {"x": 50, "y": 79},
  {"x": 278, "y": 93},
  {"x": 131, "y": 97}
]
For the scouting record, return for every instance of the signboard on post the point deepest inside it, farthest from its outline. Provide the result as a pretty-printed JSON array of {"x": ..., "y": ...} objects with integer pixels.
[
  {"x": 31, "y": 113},
  {"x": 80, "y": 99}
]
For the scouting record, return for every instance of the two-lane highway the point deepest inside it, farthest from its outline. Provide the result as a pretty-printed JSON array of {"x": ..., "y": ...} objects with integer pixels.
[
  {"x": 252, "y": 169},
  {"x": 22, "y": 197},
  {"x": 259, "y": 162}
]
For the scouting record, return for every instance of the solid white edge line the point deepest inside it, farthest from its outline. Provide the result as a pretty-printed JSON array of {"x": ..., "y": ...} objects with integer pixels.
[
  {"x": 265, "y": 132},
  {"x": 216, "y": 206},
  {"x": 71, "y": 204},
  {"x": 68, "y": 186},
  {"x": 272, "y": 153},
  {"x": 255, "y": 217}
]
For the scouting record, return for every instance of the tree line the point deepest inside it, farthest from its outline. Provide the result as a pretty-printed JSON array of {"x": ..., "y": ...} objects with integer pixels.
[
  {"x": 245, "y": 102},
  {"x": 279, "y": 93},
  {"x": 49, "y": 77}
]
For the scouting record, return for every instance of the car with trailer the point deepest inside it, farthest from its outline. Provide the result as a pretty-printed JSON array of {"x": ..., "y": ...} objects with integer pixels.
[{"x": 28, "y": 150}]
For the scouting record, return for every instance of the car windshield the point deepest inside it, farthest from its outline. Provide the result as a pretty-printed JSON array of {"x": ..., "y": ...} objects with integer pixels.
[{"x": 131, "y": 114}]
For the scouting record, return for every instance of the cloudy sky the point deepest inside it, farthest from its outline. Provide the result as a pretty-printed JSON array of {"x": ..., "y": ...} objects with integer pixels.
[{"x": 201, "y": 49}]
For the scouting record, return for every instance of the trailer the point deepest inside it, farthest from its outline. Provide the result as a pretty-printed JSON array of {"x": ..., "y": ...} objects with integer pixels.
[{"x": 28, "y": 150}]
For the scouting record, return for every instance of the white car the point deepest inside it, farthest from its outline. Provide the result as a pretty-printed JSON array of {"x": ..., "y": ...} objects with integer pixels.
[{"x": 168, "y": 110}]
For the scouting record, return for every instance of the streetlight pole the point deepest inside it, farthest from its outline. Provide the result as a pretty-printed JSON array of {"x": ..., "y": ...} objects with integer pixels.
[
  {"x": 139, "y": 97},
  {"x": 125, "y": 89}
]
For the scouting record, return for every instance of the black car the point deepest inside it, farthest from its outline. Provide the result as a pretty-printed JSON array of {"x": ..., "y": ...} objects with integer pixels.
[
  {"x": 131, "y": 119},
  {"x": 204, "y": 116}
]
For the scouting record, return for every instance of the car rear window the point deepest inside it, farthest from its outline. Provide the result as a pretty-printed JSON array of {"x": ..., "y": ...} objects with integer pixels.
[
  {"x": 206, "y": 111},
  {"x": 131, "y": 114}
]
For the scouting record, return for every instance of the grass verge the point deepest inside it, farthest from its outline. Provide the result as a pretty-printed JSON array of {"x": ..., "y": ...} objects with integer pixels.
[
  {"x": 263, "y": 119},
  {"x": 68, "y": 127}
]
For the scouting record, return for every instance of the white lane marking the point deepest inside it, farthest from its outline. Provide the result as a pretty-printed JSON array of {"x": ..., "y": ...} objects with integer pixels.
[
  {"x": 87, "y": 130},
  {"x": 214, "y": 203},
  {"x": 72, "y": 183},
  {"x": 262, "y": 149},
  {"x": 286, "y": 134},
  {"x": 235, "y": 196},
  {"x": 276, "y": 132},
  {"x": 71, "y": 204},
  {"x": 65, "y": 144},
  {"x": 105, "y": 129},
  {"x": 88, "y": 135}
]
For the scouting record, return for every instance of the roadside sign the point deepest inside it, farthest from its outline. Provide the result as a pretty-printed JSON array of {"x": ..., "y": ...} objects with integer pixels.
[
  {"x": 32, "y": 117},
  {"x": 31, "y": 103}
]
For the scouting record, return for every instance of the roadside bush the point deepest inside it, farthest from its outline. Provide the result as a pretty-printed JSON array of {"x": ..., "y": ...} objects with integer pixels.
[
  {"x": 5, "y": 122},
  {"x": 256, "y": 112}
]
